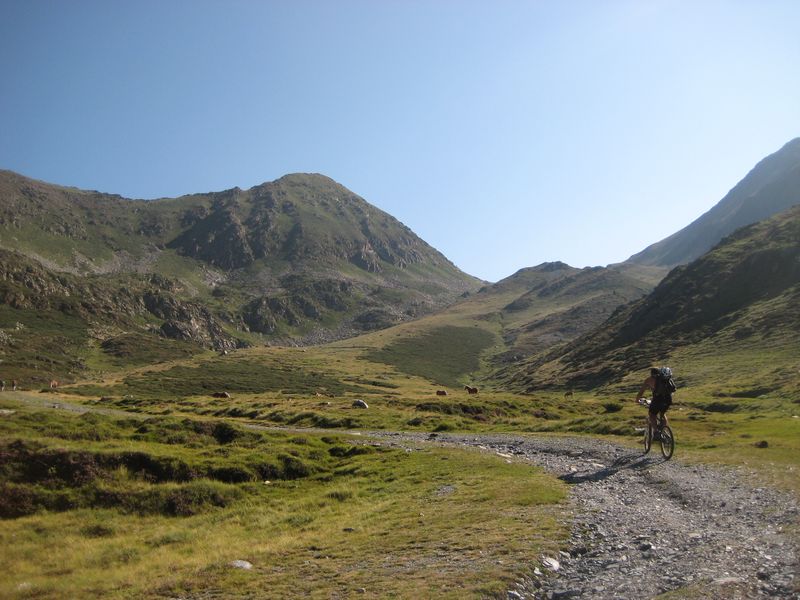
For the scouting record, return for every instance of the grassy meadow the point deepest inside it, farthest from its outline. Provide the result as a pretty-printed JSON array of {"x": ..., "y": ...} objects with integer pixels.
[
  {"x": 158, "y": 500},
  {"x": 156, "y": 507}
]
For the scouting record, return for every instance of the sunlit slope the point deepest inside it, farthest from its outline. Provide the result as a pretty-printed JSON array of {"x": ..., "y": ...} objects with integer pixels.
[
  {"x": 771, "y": 187},
  {"x": 530, "y": 311},
  {"x": 728, "y": 320},
  {"x": 298, "y": 260}
]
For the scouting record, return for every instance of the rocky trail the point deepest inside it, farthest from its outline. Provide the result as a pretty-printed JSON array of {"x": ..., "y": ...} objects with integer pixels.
[{"x": 642, "y": 527}]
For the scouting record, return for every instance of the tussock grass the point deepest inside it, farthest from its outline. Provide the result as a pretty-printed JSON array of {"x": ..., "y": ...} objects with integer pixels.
[{"x": 396, "y": 521}]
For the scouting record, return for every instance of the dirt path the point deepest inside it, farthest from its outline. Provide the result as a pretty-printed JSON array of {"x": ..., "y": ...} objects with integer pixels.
[{"x": 642, "y": 526}]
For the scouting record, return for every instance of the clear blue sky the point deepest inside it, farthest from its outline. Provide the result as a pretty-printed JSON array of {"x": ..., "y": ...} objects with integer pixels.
[{"x": 504, "y": 133}]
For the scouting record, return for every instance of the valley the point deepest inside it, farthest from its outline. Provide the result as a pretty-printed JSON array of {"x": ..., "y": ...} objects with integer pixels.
[{"x": 279, "y": 377}]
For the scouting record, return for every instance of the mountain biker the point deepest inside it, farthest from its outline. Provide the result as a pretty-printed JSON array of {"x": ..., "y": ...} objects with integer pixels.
[{"x": 662, "y": 396}]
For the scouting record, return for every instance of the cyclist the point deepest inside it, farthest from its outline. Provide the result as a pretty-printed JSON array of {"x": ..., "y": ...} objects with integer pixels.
[{"x": 662, "y": 395}]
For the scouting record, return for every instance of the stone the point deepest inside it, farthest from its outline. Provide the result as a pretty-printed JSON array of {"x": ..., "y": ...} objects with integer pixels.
[
  {"x": 241, "y": 564},
  {"x": 551, "y": 563},
  {"x": 761, "y": 444},
  {"x": 360, "y": 404}
]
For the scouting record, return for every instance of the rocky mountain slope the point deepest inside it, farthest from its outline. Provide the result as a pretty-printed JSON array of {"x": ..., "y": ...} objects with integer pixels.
[
  {"x": 771, "y": 187},
  {"x": 742, "y": 296},
  {"x": 543, "y": 306},
  {"x": 298, "y": 260}
]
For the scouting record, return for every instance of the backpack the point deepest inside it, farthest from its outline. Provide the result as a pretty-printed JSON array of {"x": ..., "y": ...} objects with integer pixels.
[{"x": 665, "y": 386}]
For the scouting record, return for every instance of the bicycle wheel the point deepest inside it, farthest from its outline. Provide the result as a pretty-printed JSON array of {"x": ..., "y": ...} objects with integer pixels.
[
  {"x": 667, "y": 442},
  {"x": 648, "y": 438}
]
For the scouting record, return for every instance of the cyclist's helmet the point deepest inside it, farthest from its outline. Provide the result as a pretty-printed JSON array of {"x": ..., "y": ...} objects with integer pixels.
[{"x": 666, "y": 372}]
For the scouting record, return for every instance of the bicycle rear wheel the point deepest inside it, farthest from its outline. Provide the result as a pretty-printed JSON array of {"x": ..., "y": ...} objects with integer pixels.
[
  {"x": 667, "y": 442},
  {"x": 648, "y": 438}
]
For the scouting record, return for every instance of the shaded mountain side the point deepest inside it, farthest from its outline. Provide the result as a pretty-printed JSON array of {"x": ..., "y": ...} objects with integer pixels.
[
  {"x": 299, "y": 259},
  {"x": 747, "y": 286},
  {"x": 772, "y": 186}
]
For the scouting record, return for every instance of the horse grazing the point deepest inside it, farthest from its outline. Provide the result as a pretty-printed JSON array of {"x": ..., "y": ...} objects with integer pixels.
[
  {"x": 441, "y": 392},
  {"x": 13, "y": 385},
  {"x": 471, "y": 390},
  {"x": 54, "y": 384},
  {"x": 569, "y": 394}
]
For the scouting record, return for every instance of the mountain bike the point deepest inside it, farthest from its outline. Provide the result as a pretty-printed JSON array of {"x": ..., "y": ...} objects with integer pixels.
[{"x": 662, "y": 434}]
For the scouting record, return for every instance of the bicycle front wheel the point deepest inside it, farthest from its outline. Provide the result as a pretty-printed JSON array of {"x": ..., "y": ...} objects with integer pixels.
[{"x": 667, "y": 442}]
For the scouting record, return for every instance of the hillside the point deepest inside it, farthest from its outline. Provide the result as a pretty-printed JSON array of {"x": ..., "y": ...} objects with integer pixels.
[
  {"x": 298, "y": 260},
  {"x": 771, "y": 187},
  {"x": 740, "y": 300},
  {"x": 533, "y": 310}
]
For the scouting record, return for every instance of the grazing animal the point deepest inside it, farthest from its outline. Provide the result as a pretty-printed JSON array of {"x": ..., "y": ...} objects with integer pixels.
[
  {"x": 53, "y": 384},
  {"x": 471, "y": 390},
  {"x": 569, "y": 394},
  {"x": 13, "y": 385},
  {"x": 441, "y": 392},
  {"x": 220, "y": 395}
]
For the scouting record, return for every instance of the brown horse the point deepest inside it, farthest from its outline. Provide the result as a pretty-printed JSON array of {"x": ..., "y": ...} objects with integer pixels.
[
  {"x": 471, "y": 390},
  {"x": 54, "y": 384},
  {"x": 441, "y": 392},
  {"x": 13, "y": 385},
  {"x": 569, "y": 394}
]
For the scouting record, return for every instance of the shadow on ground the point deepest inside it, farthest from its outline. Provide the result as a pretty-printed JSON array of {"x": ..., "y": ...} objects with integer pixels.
[{"x": 631, "y": 461}]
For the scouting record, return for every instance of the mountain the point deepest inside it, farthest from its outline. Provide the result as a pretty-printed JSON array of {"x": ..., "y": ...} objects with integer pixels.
[
  {"x": 531, "y": 311},
  {"x": 297, "y": 260},
  {"x": 555, "y": 303},
  {"x": 739, "y": 302},
  {"x": 771, "y": 187}
]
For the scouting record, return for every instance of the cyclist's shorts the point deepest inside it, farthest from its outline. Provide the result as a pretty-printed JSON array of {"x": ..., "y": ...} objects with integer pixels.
[{"x": 659, "y": 405}]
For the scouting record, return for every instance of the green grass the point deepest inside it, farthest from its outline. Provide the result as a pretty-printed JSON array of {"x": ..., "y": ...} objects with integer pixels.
[
  {"x": 43, "y": 344},
  {"x": 224, "y": 374},
  {"x": 397, "y": 522},
  {"x": 444, "y": 355}
]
